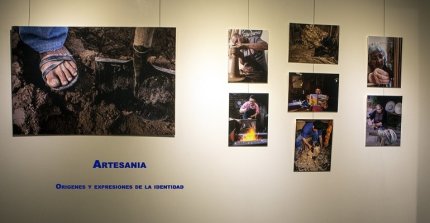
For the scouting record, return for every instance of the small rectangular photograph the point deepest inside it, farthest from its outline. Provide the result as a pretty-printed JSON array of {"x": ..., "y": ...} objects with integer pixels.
[
  {"x": 384, "y": 65},
  {"x": 313, "y": 92},
  {"x": 93, "y": 81},
  {"x": 313, "y": 145},
  {"x": 384, "y": 120},
  {"x": 316, "y": 44},
  {"x": 248, "y": 119},
  {"x": 247, "y": 55}
]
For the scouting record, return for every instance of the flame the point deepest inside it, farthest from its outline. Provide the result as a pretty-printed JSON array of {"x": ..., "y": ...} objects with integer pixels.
[{"x": 249, "y": 136}]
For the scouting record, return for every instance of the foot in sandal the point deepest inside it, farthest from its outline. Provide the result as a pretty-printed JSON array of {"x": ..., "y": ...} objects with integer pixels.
[{"x": 59, "y": 70}]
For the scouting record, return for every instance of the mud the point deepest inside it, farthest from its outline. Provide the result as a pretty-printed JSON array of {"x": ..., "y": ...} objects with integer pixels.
[
  {"x": 317, "y": 44},
  {"x": 85, "y": 109},
  {"x": 313, "y": 161}
]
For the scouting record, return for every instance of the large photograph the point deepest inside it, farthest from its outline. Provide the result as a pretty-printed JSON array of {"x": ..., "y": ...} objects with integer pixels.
[
  {"x": 247, "y": 56},
  {"x": 313, "y": 145},
  {"x": 313, "y": 92},
  {"x": 317, "y": 44},
  {"x": 248, "y": 119},
  {"x": 384, "y": 65},
  {"x": 93, "y": 81},
  {"x": 384, "y": 120}
]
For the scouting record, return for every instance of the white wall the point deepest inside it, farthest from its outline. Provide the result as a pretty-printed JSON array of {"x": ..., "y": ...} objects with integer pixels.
[
  {"x": 423, "y": 191},
  {"x": 229, "y": 184}
]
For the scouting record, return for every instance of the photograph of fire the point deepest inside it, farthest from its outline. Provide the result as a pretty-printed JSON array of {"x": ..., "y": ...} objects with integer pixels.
[
  {"x": 313, "y": 145},
  {"x": 384, "y": 62},
  {"x": 248, "y": 119},
  {"x": 247, "y": 56},
  {"x": 310, "y": 43},
  {"x": 384, "y": 120},
  {"x": 93, "y": 81},
  {"x": 313, "y": 92}
]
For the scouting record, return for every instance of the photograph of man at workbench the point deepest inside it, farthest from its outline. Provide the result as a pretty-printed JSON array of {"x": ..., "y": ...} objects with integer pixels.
[
  {"x": 247, "y": 56},
  {"x": 93, "y": 81}
]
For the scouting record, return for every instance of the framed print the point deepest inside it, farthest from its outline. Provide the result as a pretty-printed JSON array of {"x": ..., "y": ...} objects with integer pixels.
[
  {"x": 384, "y": 67},
  {"x": 248, "y": 119},
  {"x": 311, "y": 43},
  {"x": 247, "y": 56},
  {"x": 93, "y": 80},
  {"x": 313, "y": 145},
  {"x": 384, "y": 120},
  {"x": 313, "y": 92}
]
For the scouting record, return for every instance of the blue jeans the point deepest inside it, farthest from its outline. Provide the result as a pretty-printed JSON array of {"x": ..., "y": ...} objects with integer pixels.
[
  {"x": 43, "y": 39},
  {"x": 299, "y": 140},
  {"x": 249, "y": 113}
]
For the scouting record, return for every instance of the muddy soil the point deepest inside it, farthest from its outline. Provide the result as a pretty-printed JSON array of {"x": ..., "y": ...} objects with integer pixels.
[
  {"x": 313, "y": 44},
  {"x": 303, "y": 54},
  {"x": 87, "y": 108},
  {"x": 311, "y": 161}
]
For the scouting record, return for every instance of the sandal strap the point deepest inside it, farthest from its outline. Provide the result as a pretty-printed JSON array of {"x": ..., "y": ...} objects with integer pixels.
[
  {"x": 57, "y": 59},
  {"x": 53, "y": 58}
]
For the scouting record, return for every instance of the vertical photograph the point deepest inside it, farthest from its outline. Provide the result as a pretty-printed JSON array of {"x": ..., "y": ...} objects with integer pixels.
[
  {"x": 313, "y": 145},
  {"x": 93, "y": 81},
  {"x": 316, "y": 44},
  {"x": 247, "y": 55},
  {"x": 384, "y": 120},
  {"x": 248, "y": 119},
  {"x": 384, "y": 65},
  {"x": 313, "y": 92}
]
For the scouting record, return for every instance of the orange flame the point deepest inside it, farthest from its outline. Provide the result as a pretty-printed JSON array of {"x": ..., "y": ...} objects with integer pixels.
[{"x": 249, "y": 136}]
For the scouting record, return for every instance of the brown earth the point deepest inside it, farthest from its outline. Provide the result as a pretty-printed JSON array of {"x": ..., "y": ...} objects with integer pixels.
[{"x": 309, "y": 161}]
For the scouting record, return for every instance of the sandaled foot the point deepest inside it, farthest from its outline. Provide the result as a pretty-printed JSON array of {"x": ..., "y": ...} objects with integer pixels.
[{"x": 59, "y": 70}]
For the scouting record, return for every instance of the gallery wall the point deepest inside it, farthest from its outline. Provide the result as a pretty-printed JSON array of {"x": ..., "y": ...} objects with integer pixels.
[
  {"x": 224, "y": 184},
  {"x": 424, "y": 120}
]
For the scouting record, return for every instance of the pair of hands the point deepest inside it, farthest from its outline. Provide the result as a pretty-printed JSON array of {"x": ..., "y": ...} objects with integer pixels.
[
  {"x": 374, "y": 125},
  {"x": 378, "y": 76}
]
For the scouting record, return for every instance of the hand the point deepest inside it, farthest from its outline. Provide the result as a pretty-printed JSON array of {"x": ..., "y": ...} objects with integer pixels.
[
  {"x": 241, "y": 45},
  {"x": 247, "y": 69},
  {"x": 379, "y": 76}
]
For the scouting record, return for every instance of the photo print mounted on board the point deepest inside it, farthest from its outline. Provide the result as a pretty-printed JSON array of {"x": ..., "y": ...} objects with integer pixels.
[
  {"x": 247, "y": 56},
  {"x": 384, "y": 120},
  {"x": 384, "y": 67},
  {"x": 313, "y": 145},
  {"x": 313, "y": 92},
  {"x": 317, "y": 44},
  {"x": 93, "y": 81},
  {"x": 248, "y": 119}
]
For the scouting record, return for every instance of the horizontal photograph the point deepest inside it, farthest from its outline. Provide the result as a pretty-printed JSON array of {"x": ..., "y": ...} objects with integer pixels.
[
  {"x": 248, "y": 119},
  {"x": 384, "y": 67},
  {"x": 313, "y": 92},
  {"x": 384, "y": 120},
  {"x": 93, "y": 81},
  {"x": 313, "y": 145},
  {"x": 247, "y": 55},
  {"x": 316, "y": 44}
]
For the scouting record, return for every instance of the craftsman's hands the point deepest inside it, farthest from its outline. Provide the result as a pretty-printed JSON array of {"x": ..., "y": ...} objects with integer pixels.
[
  {"x": 239, "y": 45},
  {"x": 379, "y": 76},
  {"x": 374, "y": 125}
]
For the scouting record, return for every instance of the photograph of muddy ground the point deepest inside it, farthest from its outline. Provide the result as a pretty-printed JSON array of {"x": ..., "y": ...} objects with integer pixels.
[
  {"x": 248, "y": 119},
  {"x": 313, "y": 92},
  {"x": 313, "y": 145},
  {"x": 247, "y": 55},
  {"x": 384, "y": 120},
  {"x": 118, "y": 91},
  {"x": 317, "y": 44}
]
